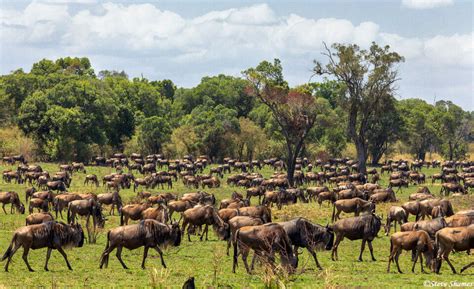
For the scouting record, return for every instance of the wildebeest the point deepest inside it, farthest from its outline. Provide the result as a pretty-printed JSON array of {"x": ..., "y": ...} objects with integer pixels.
[
  {"x": 364, "y": 227},
  {"x": 396, "y": 215},
  {"x": 383, "y": 195},
  {"x": 426, "y": 207},
  {"x": 205, "y": 215},
  {"x": 457, "y": 238},
  {"x": 179, "y": 206},
  {"x": 356, "y": 206},
  {"x": 132, "y": 211},
  {"x": 91, "y": 178},
  {"x": 60, "y": 202},
  {"x": 265, "y": 240},
  {"x": 304, "y": 234},
  {"x": 87, "y": 208},
  {"x": 148, "y": 233},
  {"x": 262, "y": 212},
  {"x": 413, "y": 208},
  {"x": 418, "y": 241},
  {"x": 160, "y": 214},
  {"x": 52, "y": 235},
  {"x": 59, "y": 186},
  {"x": 38, "y": 218},
  {"x": 13, "y": 199},
  {"x": 431, "y": 226},
  {"x": 112, "y": 199},
  {"x": 40, "y": 204},
  {"x": 238, "y": 222}
]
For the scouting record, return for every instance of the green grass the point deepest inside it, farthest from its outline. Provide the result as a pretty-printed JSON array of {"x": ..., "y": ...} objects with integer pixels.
[{"x": 207, "y": 261}]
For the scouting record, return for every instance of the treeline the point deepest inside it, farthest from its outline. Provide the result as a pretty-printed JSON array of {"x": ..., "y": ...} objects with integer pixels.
[{"x": 70, "y": 112}]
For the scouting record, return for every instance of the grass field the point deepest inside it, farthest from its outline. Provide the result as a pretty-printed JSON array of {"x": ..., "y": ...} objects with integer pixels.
[{"x": 207, "y": 261}]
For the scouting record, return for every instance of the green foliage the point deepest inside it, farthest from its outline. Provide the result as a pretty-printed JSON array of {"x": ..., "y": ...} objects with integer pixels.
[{"x": 152, "y": 134}]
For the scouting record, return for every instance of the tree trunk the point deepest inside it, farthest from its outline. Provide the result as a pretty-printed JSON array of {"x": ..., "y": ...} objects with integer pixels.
[{"x": 361, "y": 156}]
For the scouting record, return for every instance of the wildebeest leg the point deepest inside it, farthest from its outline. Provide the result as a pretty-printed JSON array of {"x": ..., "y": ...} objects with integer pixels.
[
  {"x": 25, "y": 258},
  {"x": 48, "y": 255},
  {"x": 362, "y": 247},
  {"x": 396, "y": 260},
  {"x": 416, "y": 259},
  {"x": 15, "y": 248},
  {"x": 339, "y": 239},
  {"x": 3, "y": 207},
  {"x": 467, "y": 266},
  {"x": 371, "y": 250},
  {"x": 245, "y": 254},
  {"x": 119, "y": 257},
  {"x": 445, "y": 257},
  {"x": 145, "y": 254},
  {"x": 311, "y": 251},
  {"x": 60, "y": 250},
  {"x": 157, "y": 248},
  {"x": 204, "y": 231},
  {"x": 421, "y": 263}
]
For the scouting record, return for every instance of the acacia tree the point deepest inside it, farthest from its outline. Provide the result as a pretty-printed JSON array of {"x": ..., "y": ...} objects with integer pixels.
[
  {"x": 369, "y": 77},
  {"x": 294, "y": 110}
]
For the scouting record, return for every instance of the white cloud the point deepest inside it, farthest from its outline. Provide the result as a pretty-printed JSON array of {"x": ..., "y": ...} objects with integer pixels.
[
  {"x": 144, "y": 38},
  {"x": 426, "y": 4}
]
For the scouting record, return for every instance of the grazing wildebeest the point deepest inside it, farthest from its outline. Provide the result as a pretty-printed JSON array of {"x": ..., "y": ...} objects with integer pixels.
[
  {"x": 387, "y": 195},
  {"x": 418, "y": 241},
  {"x": 112, "y": 199},
  {"x": 38, "y": 218},
  {"x": 132, "y": 211},
  {"x": 364, "y": 227},
  {"x": 459, "y": 220},
  {"x": 356, "y": 206},
  {"x": 426, "y": 207},
  {"x": 148, "y": 233},
  {"x": 40, "y": 204},
  {"x": 431, "y": 226},
  {"x": 457, "y": 238},
  {"x": 205, "y": 215},
  {"x": 238, "y": 222},
  {"x": 396, "y": 215},
  {"x": 60, "y": 202},
  {"x": 87, "y": 208},
  {"x": 13, "y": 199},
  {"x": 304, "y": 234},
  {"x": 413, "y": 208},
  {"x": 28, "y": 193},
  {"x": 228, "y": 213},
  {"x": 59, "y": 186},
  {"x": 52, "y": 235},
  {"x": 91, "y": 178},
  {"x": 265, "y": 240},
  {"x": 262, "y": 212}
]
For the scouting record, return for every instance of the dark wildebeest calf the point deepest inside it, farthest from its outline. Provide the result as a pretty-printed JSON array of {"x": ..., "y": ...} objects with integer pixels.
[
  {"x": 305, "y": 234},
  {"x": 52, "y": 235},
  {"x": 148, "y": 233},
  {"x": 364, "y": 227}
]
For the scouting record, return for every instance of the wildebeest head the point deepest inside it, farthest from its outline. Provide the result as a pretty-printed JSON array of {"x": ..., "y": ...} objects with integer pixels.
[
  {"x": 328, "y": 237},
  {"x": 77, "y": 235},
  {"x": 176, "y": 234}
]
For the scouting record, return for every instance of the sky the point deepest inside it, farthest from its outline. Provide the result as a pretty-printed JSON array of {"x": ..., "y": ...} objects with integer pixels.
[{"x": 187, "y": 40}]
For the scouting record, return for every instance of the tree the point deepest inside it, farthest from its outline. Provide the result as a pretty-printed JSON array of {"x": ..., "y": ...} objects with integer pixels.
[
  {"x": 153, "y": 133},
  {"x": 166, "y": 88},
  {"x": 369, "y": 77},
  {"x": 420, "y": 132},
  {"x": 384, "y": 129},
  {"x": 250, "y": 141},
  {"x": 294, "y": 110},
  {"x": 454, "y": 127}
]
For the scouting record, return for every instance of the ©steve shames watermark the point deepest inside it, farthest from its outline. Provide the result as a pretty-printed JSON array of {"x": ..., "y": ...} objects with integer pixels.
[{"x": 429, "y": 283}]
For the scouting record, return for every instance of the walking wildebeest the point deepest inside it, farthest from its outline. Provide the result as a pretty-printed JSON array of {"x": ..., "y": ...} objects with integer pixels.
[
  {"x": 60, "y": 202},
  {"x": 52, "y": 235},
  {"x": 265, "y": 240},
  {"x": 132, "y": 211},
  {"x": 13, "y": 199},
  {"x": 148, "y": 233},
  {"x": 457, "y": 238},
  {"x": 91, "y": 178},
  {"x": 238, "y": 222},
  {"x": 364, "y": 227},
  {"x": 418, "y": 241},
  {"x": 304, "y": 234}
]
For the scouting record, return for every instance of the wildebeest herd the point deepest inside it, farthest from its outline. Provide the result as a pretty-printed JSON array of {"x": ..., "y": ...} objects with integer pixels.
[{"x": 246, "y": 224}]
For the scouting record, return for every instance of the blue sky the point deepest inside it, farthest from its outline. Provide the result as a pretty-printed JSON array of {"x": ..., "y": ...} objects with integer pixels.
[{"x": 186, "y": 40}]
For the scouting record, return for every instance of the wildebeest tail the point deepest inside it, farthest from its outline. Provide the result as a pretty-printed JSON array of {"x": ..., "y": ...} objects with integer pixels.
[
  {"x": 333, "y": 211},
  {"x": 9, "y": 251},
  {"x": 104, "y": 258},
  {"x": 69, "y": 214}
]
